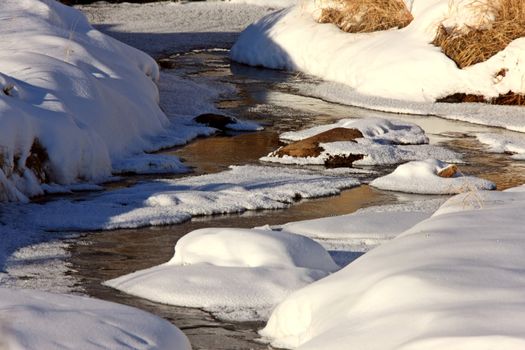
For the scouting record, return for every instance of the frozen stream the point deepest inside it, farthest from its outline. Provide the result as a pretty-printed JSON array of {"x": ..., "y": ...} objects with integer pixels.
[{"x": 274, "y": 100}]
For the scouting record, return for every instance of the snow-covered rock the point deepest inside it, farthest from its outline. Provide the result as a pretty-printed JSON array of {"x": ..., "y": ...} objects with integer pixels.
[
  {"x": 422, "y": 177},
  {"x": 235, "y": 273},
  {"x": 383, "y": 142},
  {"x": 453, "y": 281},
  {"x": 39, "y": 320}
]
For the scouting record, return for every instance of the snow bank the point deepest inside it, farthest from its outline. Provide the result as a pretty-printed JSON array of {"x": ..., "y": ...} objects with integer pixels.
[
  {"x": 38, "y": 320},
  {"x": 397, "y": 65},
  {"x": 422, "y": 177},
  {"x": 172, "y": 201},
  {"x": 238, "y": 274},
  {"x": 383, "y": 142},
  {"x": 71, "y": 90},
  {"x": 453, "y": 281}
]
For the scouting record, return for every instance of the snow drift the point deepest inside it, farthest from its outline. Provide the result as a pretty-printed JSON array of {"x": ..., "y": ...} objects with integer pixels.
[{"x": 453, "y": 281}]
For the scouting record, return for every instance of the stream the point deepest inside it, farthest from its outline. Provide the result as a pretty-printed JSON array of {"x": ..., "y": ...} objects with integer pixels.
[{"x": 273, "y": 99}]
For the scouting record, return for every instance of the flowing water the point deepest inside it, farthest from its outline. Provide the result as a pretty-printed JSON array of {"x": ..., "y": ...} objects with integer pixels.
[{"x": 272, "y": 99}]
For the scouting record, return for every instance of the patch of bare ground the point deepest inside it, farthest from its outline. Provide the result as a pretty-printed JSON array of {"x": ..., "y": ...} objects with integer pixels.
[{"x": 365, "y": 16}]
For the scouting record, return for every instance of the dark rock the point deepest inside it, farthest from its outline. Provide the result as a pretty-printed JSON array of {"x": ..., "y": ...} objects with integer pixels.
[
  {"x": 342, "y": 161},
  {"x": 216, "y": 121}
]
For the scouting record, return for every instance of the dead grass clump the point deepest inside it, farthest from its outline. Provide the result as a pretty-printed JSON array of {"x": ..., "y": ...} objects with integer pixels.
[
  {"x": 471, "y": 45},
  {"x": 510, "y": 99},
  {"x": 36, "y": 161},
  {"x": 365, "y": 16}
]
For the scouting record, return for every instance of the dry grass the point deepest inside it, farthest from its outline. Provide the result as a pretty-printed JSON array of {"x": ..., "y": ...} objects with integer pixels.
[
  {"x": 510, "y": 98},
  {"x": 36, "y": 161},
  {"x": 478, "y": 44},
  {"x": 364, "y": 16}
]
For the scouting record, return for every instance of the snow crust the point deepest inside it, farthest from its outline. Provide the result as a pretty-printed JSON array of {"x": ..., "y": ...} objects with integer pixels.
[
  {"x": 499, "y": 143},
  {"x": 453, "y": 281},
  {"x": 238, "y": 274},
  {"x": 366, "y": 228},
  {"x": 376, "y": 129},
  {"x": 172, "y": 201},
  {"x": 39, "y": 320},
  {"x": 421, "y": 177},
  {"x": 384, "y": 142},
  {"x": 399, "y": 65},
  {"x": 170, "y": 27}
]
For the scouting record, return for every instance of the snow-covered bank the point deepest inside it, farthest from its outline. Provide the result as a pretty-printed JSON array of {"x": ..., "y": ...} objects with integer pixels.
[
  {"x": 453, "y": 281},
  {"x": 172, "y": 201},
  {"x": 396, "y": 70},
  {"x": 68, "y": 90},
  {"x": 38, "y": 320},
  {"x": 170, "y": 27},
  {"x": 237, "y": 274},
  {"x": 78, "y": 105}
]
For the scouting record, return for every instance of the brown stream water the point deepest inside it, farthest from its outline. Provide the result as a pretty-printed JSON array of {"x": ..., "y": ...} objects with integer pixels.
[{"x": 270, "y": 98}]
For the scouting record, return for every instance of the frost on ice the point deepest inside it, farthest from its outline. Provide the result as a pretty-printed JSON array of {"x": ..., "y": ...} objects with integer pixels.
[{"x": 172, "y": 201}]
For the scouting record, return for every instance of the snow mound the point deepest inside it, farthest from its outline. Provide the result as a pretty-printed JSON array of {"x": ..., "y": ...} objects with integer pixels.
[
  {"x": 69, "y": 90},
  {"x": 398, "y": 64},
  {"x": 453, "y": 281},
  {"x": 238, "y": 274},
  {"x": 376, "y": 129},
  {"x": 252, "y": 248},
  {"x": 172, "y": 201},
  {"x": 38, "y": 320},
  {"x": 422, "y": 177}
]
